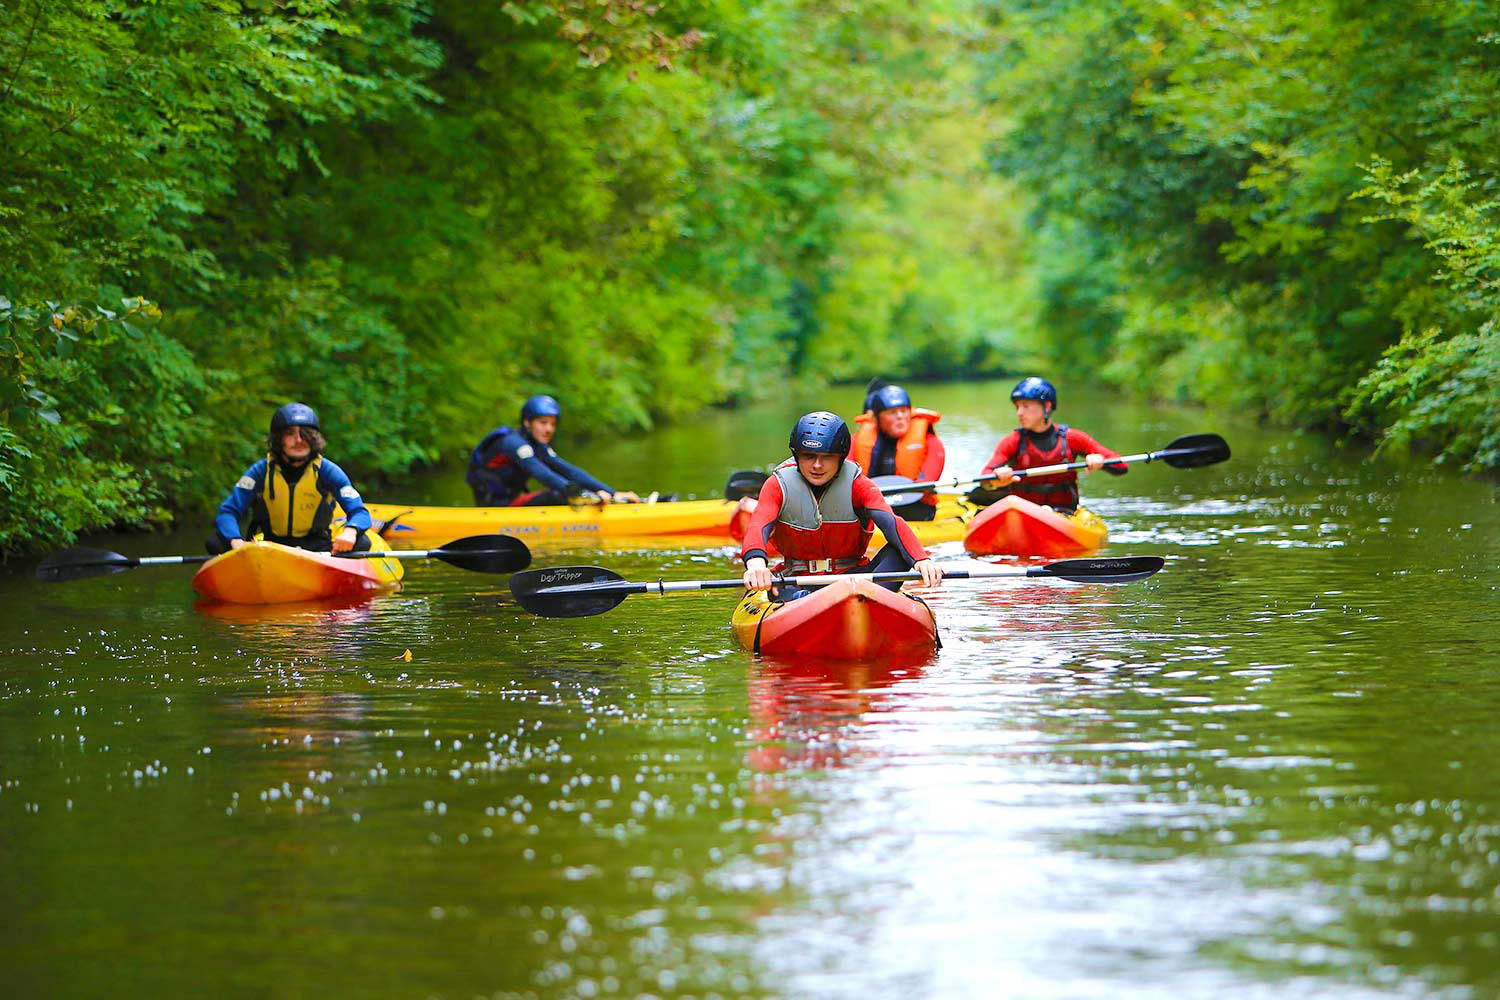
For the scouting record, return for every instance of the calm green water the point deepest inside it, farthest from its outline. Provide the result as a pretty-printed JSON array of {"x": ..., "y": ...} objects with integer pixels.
[{"x": 1269, "y": 771}]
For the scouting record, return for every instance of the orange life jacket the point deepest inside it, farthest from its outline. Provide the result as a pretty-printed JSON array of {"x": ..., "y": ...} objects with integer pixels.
[{"x": 911, "y": 450}]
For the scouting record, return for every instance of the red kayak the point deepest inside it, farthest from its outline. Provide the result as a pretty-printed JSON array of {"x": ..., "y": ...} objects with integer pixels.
[
  {"x": 850, "y": 620},
  {"x": 1015, "y": 527}
]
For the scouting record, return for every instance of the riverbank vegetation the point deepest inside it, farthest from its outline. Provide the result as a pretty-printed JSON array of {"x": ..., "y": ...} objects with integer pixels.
[
  {"x": 414, "y": 213},
  {"x": 1285, "y": 208}
]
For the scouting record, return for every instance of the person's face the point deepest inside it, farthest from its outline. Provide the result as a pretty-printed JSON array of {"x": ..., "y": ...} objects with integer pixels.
[
  {"x": 818, "y": 467},
  {"x": 294, "y": 446},
  {"x": 542, "y": 429},
  {"x": 1032, "y": 414},
  {"x": 895, "y": 421}
]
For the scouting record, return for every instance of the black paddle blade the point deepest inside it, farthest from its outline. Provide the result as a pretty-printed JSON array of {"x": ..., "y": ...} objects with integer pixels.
[
  {"x": 570, "y": 591},
  {"x": 486, "y": 554},
  {"x": 1195, "y": 451},
  {"x": 745, "y": 483},
  {"x": 386, "y": 528},
  {"x": 77, "y": 564},
  {"x": 889, "y": 483},
  {"x": 1126, "y": 569}
]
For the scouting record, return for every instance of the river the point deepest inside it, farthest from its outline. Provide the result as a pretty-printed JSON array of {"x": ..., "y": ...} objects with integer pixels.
[{"x": 1269, "y": 771}]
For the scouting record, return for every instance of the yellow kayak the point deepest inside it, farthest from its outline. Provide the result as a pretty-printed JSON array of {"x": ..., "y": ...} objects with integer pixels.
[
  {"x": 950, "y": 525},
  {"x": 588, "y": 523},
  {"x": 267, "y": 573}
]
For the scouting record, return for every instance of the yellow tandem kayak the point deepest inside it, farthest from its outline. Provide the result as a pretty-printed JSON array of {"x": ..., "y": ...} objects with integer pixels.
[{"x": 587, "y": 523}]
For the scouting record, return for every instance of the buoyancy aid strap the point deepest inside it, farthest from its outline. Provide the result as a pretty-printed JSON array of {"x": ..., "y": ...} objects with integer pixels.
[
  {"x": 1023, "y": 436},
  {"x": 477, "y": 457},
  {"x": 801, "y": 567},
  {"x": 1042, "y": 492}
]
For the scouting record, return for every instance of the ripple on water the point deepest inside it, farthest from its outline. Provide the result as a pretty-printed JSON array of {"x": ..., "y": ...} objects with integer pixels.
[{"x": 1275, "y": 755}]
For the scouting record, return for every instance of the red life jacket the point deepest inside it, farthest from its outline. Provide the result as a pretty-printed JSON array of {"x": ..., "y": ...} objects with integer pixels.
[
  {"x": 911, "y": 449},
  {"x": 1057, "y": 490},
  {"x": 818, "y": 536}
]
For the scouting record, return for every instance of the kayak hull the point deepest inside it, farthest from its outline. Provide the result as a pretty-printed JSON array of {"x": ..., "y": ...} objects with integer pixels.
[
  {"x": 268, "y": 573},
  {"x": 432, "y": 527},
  {"x": 848, "y": 620},
  {"x": 1015, "y": 527}
]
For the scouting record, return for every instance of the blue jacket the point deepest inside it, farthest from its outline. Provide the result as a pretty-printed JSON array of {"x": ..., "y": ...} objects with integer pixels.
[
  {"x": 506, "y": 459},
  {"x": 248, "y": 497}
]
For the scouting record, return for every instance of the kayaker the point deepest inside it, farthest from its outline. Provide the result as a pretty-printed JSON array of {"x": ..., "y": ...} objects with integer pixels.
[
  {"x": 820, "y": 511},
  {"x": 506, "y": 459},
  {"x": 289, "y": 495},
  {"x": 871, "y": 388},
  {"x": 1038, "y": 442},
  {"x": 894, "y": 439}
]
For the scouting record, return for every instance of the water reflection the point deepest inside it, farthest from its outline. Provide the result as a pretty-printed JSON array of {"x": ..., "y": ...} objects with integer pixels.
[
  {"x": 1267, "y": 771},
  {"x": 323, "y": 614},
  {"x": 806, "y": 712}
]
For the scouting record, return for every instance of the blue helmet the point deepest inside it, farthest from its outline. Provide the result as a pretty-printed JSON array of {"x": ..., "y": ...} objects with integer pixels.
[
  {"x": 1035, "y": 388},
  {"x": 540, "y": 406},
  {"x": 293, "y": 415},
  {"x": 821, "y": 431},
  {"x": 889, "y": 398}
]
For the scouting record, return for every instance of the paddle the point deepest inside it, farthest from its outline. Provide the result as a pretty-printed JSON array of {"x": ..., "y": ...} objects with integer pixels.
[
  {"x": 480, "y": 553},
  {"x": 1192, "y": 451},
  {"x": 745, "y": 483},
  {"x": 584, "y": 591},
  {"x": 384, "y": 528}
]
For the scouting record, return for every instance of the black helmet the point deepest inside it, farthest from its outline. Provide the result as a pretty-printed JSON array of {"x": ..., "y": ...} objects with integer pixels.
[
  {"x": 821, "y": 431},
  {"x": 540, "y": 406},
  {"x": 293, "y": 415},
  {"x": 889, "y": 398},
  {"x": 1035, "y": 388}
]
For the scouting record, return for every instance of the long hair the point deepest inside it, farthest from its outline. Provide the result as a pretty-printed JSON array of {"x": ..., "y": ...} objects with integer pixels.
[{"x": 311, "y": 435}]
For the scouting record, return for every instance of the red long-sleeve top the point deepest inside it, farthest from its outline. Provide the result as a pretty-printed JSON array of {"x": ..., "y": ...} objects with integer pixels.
[
  {"x": 1079, "y": 443},
  {"x": 869, "y": 506}
]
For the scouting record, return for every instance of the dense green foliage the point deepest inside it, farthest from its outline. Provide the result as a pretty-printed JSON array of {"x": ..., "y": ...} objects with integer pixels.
[
  {"x": 414, "y": 213},
  {"x": 1281, "y": 206}
]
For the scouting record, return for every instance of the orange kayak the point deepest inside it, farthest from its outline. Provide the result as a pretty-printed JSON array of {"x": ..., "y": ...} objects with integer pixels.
[
  {"x": 268, "y": 573},
  {"x": 853, "y": 619},
  {"x": 1015, "y": 527}
]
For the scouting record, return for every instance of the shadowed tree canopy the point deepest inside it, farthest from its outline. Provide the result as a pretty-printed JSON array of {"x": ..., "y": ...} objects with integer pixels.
[{"x": 414, "y": 214}]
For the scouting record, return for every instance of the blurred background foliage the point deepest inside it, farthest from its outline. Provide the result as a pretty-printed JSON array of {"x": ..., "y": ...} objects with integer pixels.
[
  {"x": 412, "y": 214},
  {"x": 1283, "y": 208}
]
